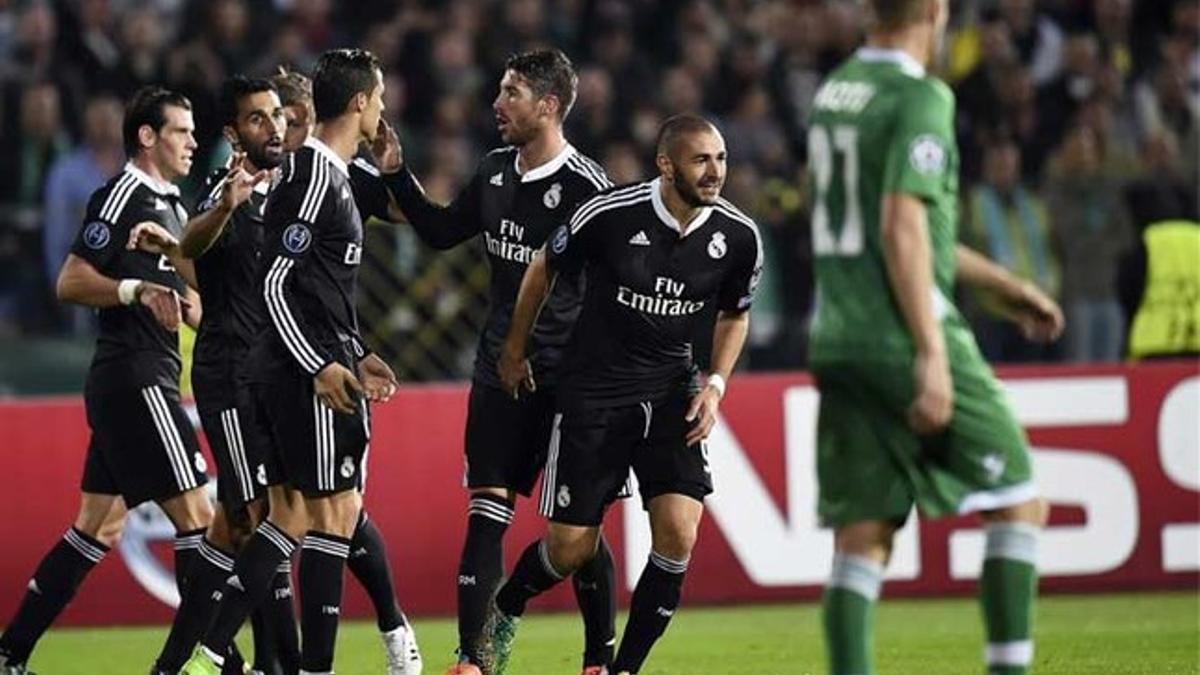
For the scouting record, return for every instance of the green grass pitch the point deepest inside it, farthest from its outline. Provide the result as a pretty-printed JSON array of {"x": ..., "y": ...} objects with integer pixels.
[{"x": 1127, "y": 634}]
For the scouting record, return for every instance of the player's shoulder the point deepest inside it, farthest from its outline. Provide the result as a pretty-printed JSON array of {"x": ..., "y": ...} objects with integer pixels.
[
  {"x": 586, "y": 172},
  {"x": 928, "y": 90},
  {"x": 123, "y": 194},
  {"x": 740, "y": 222},
  {"x": 497, "y": 158},
  {"x": 614, "y": 199}
]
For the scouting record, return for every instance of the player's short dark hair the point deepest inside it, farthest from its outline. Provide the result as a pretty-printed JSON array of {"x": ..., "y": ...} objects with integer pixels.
[
  {"x": 680, "y": 125},
  {"x": 234, "y": 89},
  {"x": 898, "y": 13},
  {"x": 293, "y": 86},
  {"x": 147, "y": 108},
  {"x": 549, "y": 73},
  {"x": 340, "y": 75}
]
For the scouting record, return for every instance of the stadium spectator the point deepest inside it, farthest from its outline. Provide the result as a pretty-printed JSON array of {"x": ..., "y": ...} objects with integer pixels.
[
  {"x": 1092, "y": 228},
  {"x": 41, "y": 139},
  {"x": 70, "y": 182},
  {"x": 1008, "y": 223},
  {"x": 1037, "y": 37}
]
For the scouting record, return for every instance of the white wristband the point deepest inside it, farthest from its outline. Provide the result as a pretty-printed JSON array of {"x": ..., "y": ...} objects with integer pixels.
[
  {"x": 127, "y": 291},
  {"x": 717, "y": 382}
]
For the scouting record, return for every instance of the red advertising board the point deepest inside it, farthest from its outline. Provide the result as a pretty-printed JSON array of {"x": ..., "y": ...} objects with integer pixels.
[{"x": 1117, "y": 453}]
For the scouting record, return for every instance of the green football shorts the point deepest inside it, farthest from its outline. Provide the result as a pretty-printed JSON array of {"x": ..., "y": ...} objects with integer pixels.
[{"x": 872, "y": 466}]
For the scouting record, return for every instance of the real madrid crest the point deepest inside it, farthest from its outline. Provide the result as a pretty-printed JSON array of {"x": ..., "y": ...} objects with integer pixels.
[
  {"x": 553, "y": 196},
  {"x": 717, "y": 246}
]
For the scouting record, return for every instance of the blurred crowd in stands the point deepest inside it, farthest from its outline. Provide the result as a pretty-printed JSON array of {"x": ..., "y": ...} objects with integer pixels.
[{"x": 1077, "y": 120}]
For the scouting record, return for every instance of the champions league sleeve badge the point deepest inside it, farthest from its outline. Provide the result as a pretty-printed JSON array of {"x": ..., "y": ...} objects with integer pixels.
[
  {"x": 558, "y": 243},
  {"x": 297, "y": 237},
  {"x": 96, "y": 235}
]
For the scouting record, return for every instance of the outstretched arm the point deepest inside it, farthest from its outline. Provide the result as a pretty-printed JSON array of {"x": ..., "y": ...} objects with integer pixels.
[{"x": 441, "y": 227}]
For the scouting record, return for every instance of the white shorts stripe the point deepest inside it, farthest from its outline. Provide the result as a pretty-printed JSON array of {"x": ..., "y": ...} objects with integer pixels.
[
  {"x": 550, "y": 473},
  {"x": 185, "y": 465},
  {"x": 237, "y": 452},
  {"x": 169, "y": 435}
]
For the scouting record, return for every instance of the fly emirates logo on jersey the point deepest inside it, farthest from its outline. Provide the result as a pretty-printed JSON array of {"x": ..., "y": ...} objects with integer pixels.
[
  {"x": 508, "y": 245},
  {"x": 667, "y": 299}
]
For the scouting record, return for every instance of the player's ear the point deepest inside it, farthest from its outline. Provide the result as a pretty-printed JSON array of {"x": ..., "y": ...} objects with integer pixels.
[
  {"x": 147, "y": 136},
  {"x": 665, "y": 166},
  {"x": 231, "y": 136}
]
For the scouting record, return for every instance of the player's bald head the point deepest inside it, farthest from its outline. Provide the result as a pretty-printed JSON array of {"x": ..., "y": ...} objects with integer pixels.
[{"x": 679, "y": 126}]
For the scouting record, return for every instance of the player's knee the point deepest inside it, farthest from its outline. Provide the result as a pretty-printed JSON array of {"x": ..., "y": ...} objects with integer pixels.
[
  {"x": 110, "y": 532},
  {"x": 336, "y": 514},
  {"x": 676, "y": 540},
  {"x": 867, "y": 539},
  {"x": 1034, "y": 512},
  {"x": 570, "y": 548}
]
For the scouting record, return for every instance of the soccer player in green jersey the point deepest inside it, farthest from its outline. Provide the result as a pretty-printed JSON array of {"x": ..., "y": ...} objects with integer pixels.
[{"x": 910, "y": 413}]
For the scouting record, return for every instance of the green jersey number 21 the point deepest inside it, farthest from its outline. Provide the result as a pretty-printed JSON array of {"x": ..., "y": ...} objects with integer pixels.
[{"x": 847, "y": 238}]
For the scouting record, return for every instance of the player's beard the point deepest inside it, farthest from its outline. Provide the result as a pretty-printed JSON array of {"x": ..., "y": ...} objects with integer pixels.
[
  {"x": 691, "y": 193},
  {"x": 262, "y": 158}
]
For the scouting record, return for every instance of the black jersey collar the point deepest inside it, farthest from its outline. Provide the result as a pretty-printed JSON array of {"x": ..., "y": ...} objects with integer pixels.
[
  {"x": 664, "y": 214},
  {"x": 547, "y": 169},
  {"x": 322, "y": 149},
  {"x": 159, "y": 186}
]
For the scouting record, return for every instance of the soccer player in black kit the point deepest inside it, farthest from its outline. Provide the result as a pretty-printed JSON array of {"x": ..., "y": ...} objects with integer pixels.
[
  {"x": 517, "y": 196},
  {"x": 142, "y": 446},
  {"x": 226, "y": 240},
  {"x": 656, "y": 254},
  {"x": 312, "y": 404}
]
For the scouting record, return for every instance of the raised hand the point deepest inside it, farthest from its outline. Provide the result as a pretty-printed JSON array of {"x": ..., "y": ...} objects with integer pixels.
[
  {"x": 238, "y": 184},
  {"x": 151, "y": 237},
  {"x": 386, "y": 150}
]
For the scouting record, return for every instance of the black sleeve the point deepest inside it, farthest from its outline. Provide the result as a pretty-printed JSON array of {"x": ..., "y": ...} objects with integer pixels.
[
  {"x": 568, "y": 247},
  {"x": 441, "y": 227},
  {"x": 106, "y": 224},
  {"x": 739, "y": 284},
  {"x": 291, "y": 233},
  {"x": 370, "y": 194}
]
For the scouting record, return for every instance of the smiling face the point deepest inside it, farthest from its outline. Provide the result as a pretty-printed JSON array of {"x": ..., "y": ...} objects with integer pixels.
[
  {"x": 171, "y": 147},
  {"x": 259, "y": 129},
  {"x": 695, "y": 165}
]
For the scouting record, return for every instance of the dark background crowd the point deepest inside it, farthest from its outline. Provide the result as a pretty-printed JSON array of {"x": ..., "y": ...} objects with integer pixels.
[{"x": 1077, "y": 121}]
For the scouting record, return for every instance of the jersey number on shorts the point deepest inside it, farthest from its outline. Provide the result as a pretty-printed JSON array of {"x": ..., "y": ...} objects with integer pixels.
[{"x": 847, "y": 240}]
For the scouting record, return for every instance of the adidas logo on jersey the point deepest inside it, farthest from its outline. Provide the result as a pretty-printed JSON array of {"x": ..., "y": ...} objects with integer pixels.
[
  {"x": 640, "y": 239},
  {"x": 497, "y": 180}
]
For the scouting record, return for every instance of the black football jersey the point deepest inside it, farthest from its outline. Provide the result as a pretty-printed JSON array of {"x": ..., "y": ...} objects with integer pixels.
[
  {"x": 648, "y": 287},
  {"x": 149, "y": 352},
  {"x": 514, "y": 212},
  {"x": 309, "y": 266},
  {"x": 234, "y": 311}
]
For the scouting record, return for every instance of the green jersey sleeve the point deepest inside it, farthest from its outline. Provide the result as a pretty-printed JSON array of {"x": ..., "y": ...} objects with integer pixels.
[{"x": 918, "y": 155}]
